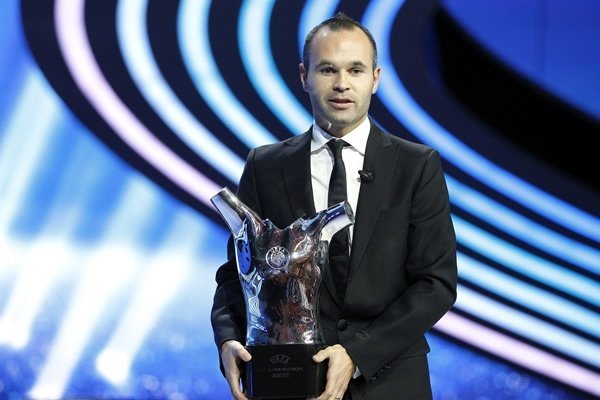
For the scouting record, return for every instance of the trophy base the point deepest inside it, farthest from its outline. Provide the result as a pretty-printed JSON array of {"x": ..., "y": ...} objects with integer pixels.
[{"x": 285, "y": 371}]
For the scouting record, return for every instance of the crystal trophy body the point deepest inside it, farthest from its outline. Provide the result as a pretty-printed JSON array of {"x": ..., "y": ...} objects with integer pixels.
[{"x": 280, "y": 271}]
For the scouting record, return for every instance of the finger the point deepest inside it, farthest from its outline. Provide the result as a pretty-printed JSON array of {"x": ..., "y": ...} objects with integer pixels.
[
  {"x": 229, "y": 364},
  {"x": 332, "y": 390},
  {"x": 338, "y": 378},
  {"x": 327, "y": 396},
  {"x": 333, "y": 386},
  {"x": 234, "y": 386},
  {"x": 324, "y": 396},
  {"x": 231, "y": 353}
]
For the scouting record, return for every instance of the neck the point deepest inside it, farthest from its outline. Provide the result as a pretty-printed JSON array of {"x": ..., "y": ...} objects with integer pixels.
[{"x": 338, "y": 131}]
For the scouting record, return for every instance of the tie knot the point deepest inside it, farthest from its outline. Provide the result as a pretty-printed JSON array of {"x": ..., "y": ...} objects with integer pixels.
[{"x": 336, "y": 146}]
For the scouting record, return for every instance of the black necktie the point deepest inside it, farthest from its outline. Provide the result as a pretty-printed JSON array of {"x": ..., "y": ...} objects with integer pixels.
[{"x": 338, "y": 248}]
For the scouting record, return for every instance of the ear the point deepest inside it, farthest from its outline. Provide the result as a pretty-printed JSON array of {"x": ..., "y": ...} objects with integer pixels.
[
  {"x": 376, "y": 75},
  {"x": 303, "y": 75}
]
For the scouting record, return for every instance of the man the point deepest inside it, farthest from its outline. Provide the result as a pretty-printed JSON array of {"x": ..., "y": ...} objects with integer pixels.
[{"x": 401, "y": 274}]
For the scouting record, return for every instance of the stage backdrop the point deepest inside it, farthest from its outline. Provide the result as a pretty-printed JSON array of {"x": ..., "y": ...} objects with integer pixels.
[{"x": 119, "y": 119}]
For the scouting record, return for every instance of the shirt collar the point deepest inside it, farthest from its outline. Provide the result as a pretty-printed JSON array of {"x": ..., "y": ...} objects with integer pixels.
[{"x": 357, "y": 138}]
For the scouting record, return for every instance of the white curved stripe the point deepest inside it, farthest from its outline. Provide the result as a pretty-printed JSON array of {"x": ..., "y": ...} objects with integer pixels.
[
  {"x": 527, "y": 295},
  {"x": 313, "y": 13},
  {"x": 194, "y": 41},
  {"x": 79, "y": 58},
  {"x": 523, "y": 228},
  {"x": 136, "y": 51},
  {"x": 256, "y": 55},
  {"x": 379, "y": 18},
  {"x": 528, "y": 326},
  {"x": 526, "y": 263},
  {"x": 519, "y": 353}
]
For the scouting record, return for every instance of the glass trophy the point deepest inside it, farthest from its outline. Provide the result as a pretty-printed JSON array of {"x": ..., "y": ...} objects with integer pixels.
[{"x": 280, "y": 271}]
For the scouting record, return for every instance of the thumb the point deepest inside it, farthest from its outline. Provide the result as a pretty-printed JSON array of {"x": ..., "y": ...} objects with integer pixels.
[
  {"x": 320, "y": 356},
  {"x": 244, "y": 354}
]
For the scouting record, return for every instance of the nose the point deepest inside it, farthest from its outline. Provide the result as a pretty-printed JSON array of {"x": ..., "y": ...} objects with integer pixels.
[{"x": 340, "y": 83}]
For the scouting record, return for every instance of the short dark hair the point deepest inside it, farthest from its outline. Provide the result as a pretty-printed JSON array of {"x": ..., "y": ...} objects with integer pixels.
[{"x": 335, "y": 23}]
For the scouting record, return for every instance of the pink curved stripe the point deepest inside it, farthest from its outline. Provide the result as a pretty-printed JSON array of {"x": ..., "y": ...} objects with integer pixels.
[
  {"x": 519, "y": 353},
  {"x": 80, "y": 60}
]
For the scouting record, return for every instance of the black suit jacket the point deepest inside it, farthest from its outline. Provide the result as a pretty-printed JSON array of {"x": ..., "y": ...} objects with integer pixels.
[{"x": 402, "y": 276}]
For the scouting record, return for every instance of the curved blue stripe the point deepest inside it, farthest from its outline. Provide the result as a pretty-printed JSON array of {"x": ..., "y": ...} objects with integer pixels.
[
  {"x": 313, "y": 12},
  {"x": 525, "y": 263},
  {"x": 379, "y": 18},
  {"x": 194, "y": 40},
  {"x": 523, "y": 228},
  {"x": 528, "y": 295},
  {"x": 253, "y": 37},
  {"x": 138, "y": 57}
]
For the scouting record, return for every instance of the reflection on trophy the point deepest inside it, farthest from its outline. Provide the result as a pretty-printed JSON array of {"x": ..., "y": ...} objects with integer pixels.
[{"x": 280, "y": 271}]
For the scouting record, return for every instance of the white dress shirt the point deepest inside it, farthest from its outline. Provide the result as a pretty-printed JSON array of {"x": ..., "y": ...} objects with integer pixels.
[{"x": 321, "y": 163}]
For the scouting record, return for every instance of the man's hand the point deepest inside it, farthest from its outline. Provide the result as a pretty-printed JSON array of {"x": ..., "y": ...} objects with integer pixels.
[
  {"x": 339, "y": 372},
  {"x": 232, "y": 354}
]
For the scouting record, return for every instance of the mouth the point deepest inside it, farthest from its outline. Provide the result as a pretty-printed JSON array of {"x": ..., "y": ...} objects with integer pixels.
[{"x": 340, "y": 103}]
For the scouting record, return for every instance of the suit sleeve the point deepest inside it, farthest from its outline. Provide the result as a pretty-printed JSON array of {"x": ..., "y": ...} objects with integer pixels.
[
  {"x": 228, "y": 315},
  {"x": 430, "y": 272}
]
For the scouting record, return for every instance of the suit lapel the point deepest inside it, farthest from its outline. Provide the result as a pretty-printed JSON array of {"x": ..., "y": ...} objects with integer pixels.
[
  {"x": 380, "y": 159},
  {"x": 295, "y": 170}
]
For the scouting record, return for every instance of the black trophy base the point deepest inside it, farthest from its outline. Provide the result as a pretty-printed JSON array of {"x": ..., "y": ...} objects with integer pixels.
[{"x": 285, "y": 371}]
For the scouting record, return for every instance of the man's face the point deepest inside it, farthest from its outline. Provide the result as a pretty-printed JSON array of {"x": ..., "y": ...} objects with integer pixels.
[{"x": 340, "y": 79}]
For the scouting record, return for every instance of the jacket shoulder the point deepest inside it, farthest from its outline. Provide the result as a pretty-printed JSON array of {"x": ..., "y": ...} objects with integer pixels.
[
  {"x": 404, "y": 146},
  {"x": 275, "y": 151}
]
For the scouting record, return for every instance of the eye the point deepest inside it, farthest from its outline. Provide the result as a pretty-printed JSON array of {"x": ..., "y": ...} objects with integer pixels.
[
  {"x": 327, "y": 70},
  {"x": 356, "y": 71}
]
